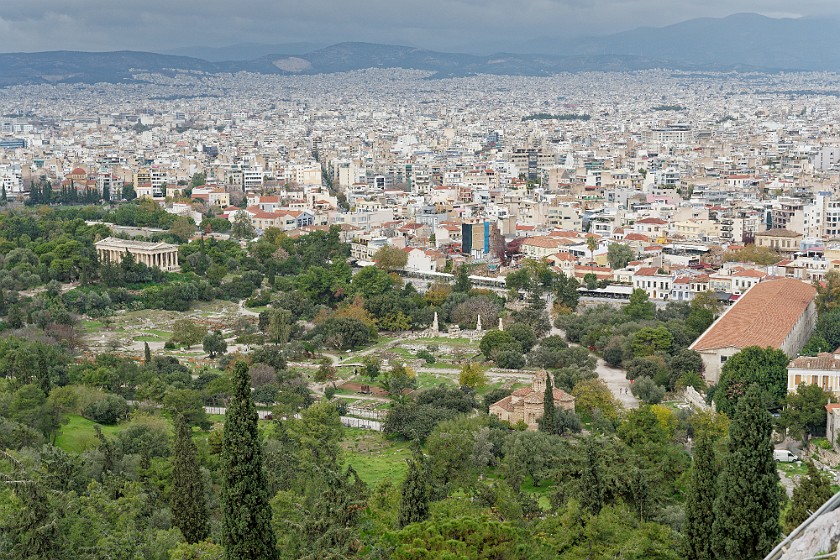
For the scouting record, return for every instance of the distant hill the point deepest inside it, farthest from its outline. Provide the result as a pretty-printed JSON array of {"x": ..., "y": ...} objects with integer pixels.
[
  {"x": 244, "y": 51},
  {"x": 740, "y": 42},
  {"x": 91, "y": 67},
  {"x": 356, "y": 56},
  {"x": 122, "y": 66}
]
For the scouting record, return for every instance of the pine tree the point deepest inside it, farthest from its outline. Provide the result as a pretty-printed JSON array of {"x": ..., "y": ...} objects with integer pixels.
[
  {"x": 416, "y": 490},
  {"x": 746, "y": 524},
  {"x": 147, "y": 353},
  {"x": 548, "y": 421},
  {"x": 700, "y": 502},
  {"x": 246, "y": 515},
  {"x": 812, "y": 491},
  {"x": 189, "y": 510}
]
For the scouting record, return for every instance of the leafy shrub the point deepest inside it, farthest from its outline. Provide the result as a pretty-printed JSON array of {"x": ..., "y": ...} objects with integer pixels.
[
  {"x": 646, "y": 390},
  {"x": 107, "y": 410}
]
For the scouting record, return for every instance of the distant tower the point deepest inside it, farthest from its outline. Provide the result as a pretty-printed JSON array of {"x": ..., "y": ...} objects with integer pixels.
[
  {"x": 478, "y": 324},
  {"x": 435, "y": 325}
]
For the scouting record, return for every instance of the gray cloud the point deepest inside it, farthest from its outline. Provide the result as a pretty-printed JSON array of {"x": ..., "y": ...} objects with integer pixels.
[{"x": 471, "y": 25}]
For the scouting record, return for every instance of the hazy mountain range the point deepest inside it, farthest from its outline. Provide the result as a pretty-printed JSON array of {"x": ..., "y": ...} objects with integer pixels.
[{"x": 738, "y": 42}]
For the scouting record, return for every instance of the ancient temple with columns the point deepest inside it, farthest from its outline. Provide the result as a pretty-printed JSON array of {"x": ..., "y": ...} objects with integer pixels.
[{"x": 156, "y": 255}]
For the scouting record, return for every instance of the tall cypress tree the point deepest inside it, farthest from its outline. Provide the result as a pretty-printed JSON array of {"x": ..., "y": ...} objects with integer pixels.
[
  {"x": 246, "y": 514},
  {"x": 746, "y": 511},
  {"x": 591, "y": 495},
  {"x": 548, "y": 421},
  {"x": 189, "y": 510},
  {"x": 700, "y": 502},
  {"x": 147, "y": 353},
  {"x": 416, "y": 490},
  {"x": 811, "y": 492}
]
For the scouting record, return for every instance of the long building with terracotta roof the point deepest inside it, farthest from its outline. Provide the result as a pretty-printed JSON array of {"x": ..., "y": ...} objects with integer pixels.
[{"x": 779, "y": 313}]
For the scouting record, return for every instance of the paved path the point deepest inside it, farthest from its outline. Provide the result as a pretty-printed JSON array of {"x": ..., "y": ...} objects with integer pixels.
[
  {"x": 245, "y": 311},
  {"x": 617, "y": 382},
  {"x": 615, "y": 378}
]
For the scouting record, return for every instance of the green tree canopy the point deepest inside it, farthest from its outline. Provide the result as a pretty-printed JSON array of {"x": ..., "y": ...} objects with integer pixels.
[
  {"x": 246, "y": 516},
  {"x": 804, "y": 413},
  {"x": 746, "y": 511},
  {"x": 416, "y": 490},
  {"x": 640, "y": 306},
  {"x": 390, "y": 258},
  {"x": 700, "y": 501},
  {"x": 813, "y": 490},
  {"x": 619, "y": 254},
  {"x": 766, "y": 367},
  {"x": 189, "y": 509}
]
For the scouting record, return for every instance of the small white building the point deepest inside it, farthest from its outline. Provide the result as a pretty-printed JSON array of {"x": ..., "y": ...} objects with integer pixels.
[
  {"x": 822, "y": 370},
  {"x": 657, "y": 286}
]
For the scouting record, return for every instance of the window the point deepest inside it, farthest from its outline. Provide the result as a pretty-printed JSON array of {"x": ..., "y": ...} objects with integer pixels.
[{"x": 723, "y": 359}]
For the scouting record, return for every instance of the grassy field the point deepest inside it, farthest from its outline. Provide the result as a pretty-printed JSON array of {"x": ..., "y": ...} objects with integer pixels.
[
  {"x": 793, "y": 469},
  {"x": 446, "y": 341},
  {"x": 426, "y": 380},
  {"x": 149, "y": 338},
  {"x": 258, "y": 308},
  {"x": 92, "y": 326},
  {"x": 78, "y": 434},
  {"x": 374, "y": 457}
]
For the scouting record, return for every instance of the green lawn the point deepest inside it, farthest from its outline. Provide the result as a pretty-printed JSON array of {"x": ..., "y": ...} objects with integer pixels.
[
  {"x": 793, "y": 469},
  {"x": 446, "y": 341},
  {"x": 158, "y": 333},
  {"x": 78, "y": 434},
  {"x": 258, "y": 308},
  {"x": 92, "y": 326},
  {"x": 374, "y": 457},
  {"x": 149, "y": 338},
  {"x": 442, "y": 365},
  {"x": 481, "y": 391},
  {"x": 426, "y": 380}
]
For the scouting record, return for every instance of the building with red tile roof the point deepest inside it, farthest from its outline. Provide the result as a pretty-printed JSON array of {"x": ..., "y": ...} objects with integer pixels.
[
  {"x": 778, "y": 313},
  {"x": 526, "y": 404}
]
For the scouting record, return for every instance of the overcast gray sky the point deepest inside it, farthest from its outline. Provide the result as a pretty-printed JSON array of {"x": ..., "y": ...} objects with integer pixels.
[{"x": 465, "y": 25}]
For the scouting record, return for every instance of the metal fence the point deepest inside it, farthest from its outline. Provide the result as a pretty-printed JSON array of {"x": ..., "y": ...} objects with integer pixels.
[
  {"x": 361, "y": 423},
  {"x": 365, "y": 413}
]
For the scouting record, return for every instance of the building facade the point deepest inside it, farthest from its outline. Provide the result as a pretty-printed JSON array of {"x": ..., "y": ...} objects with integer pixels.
[
  {"x": 822, "y": 370},
  {"x": 157, "y": 255},
  {"x": 526, "y": 404},
  {"x": 777, "y": 313}
]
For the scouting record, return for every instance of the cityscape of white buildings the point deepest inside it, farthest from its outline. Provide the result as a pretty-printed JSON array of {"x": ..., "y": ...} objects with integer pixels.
[{"x": 680, "y": 167}]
